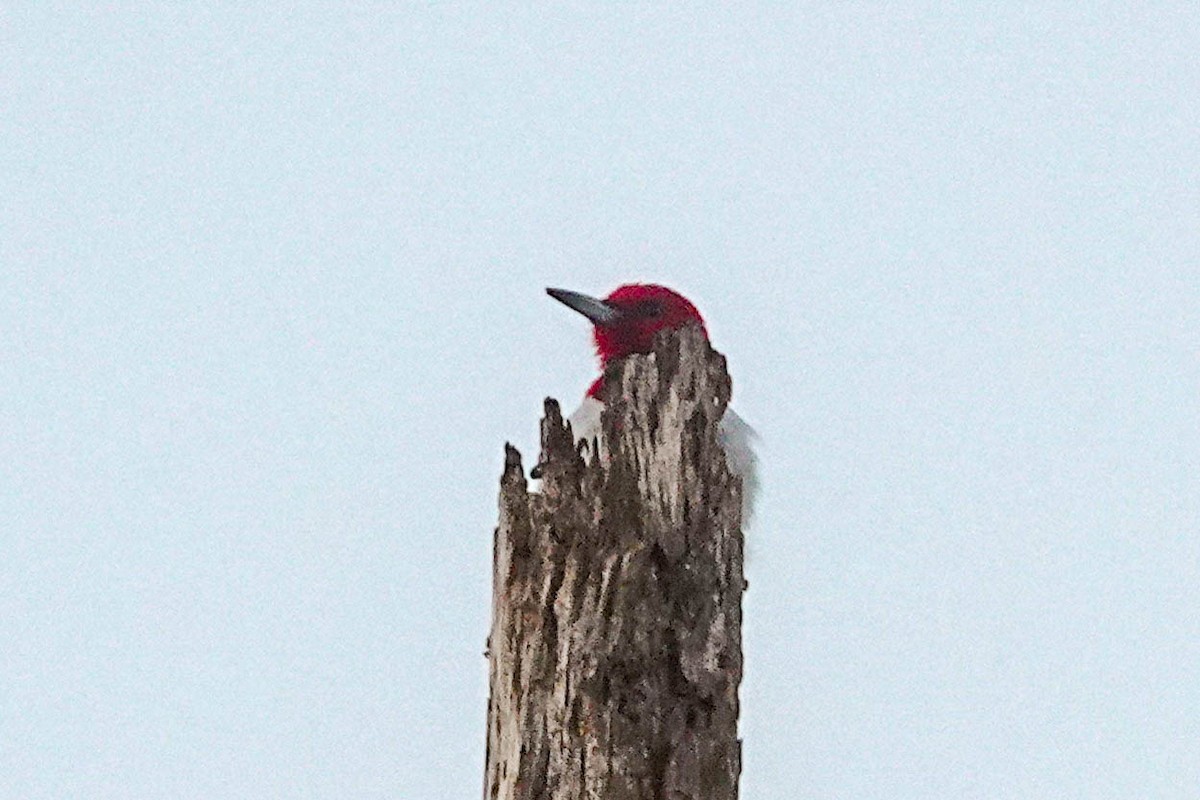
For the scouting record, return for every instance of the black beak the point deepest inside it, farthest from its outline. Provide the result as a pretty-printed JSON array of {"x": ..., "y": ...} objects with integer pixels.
[{"x": 598, "y": 311}]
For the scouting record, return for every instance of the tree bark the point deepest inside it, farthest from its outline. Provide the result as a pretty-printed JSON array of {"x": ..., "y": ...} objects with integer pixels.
[{"x": 615, "y": 650}]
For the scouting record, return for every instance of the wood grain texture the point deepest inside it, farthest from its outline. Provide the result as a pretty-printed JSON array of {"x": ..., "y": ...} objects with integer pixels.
[{"x": 615, "y": 650}]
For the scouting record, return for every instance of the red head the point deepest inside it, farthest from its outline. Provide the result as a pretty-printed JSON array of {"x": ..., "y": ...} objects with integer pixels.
[{"x": 626, "y": 321}]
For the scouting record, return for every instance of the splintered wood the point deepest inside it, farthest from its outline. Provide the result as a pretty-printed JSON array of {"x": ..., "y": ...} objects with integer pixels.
[{"x": 615, "y": 650}]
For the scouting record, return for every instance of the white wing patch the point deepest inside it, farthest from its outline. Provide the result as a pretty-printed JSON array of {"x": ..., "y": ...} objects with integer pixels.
[{"x": 738, "y": 439}]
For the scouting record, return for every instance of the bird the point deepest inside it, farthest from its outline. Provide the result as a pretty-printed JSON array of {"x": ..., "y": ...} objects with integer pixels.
[{"x": 624, "y": 323}]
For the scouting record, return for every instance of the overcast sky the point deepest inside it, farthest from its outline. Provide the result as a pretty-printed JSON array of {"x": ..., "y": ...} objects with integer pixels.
[{"x": 271, "y": 304}]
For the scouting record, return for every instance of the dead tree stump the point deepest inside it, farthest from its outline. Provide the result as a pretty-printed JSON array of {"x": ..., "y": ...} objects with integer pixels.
[{"x": 615, "y": 651}]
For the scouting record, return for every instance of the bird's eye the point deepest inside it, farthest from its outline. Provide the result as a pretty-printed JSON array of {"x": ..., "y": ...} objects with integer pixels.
[{"x": 649, "y": 308}]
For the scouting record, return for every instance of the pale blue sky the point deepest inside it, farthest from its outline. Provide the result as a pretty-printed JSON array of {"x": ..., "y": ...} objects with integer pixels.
[{"x": 271, "y": 303}]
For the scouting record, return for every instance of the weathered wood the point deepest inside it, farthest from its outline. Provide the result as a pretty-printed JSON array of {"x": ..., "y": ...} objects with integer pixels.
[{"x": 615, "y": 649}]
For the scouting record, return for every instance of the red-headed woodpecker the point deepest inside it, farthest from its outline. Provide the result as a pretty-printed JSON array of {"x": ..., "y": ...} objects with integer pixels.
[{"x": 625, "y": 323}]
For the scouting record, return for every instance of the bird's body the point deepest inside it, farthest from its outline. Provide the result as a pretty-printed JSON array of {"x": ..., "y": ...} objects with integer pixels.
[{"x": 625, "y": 323}]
